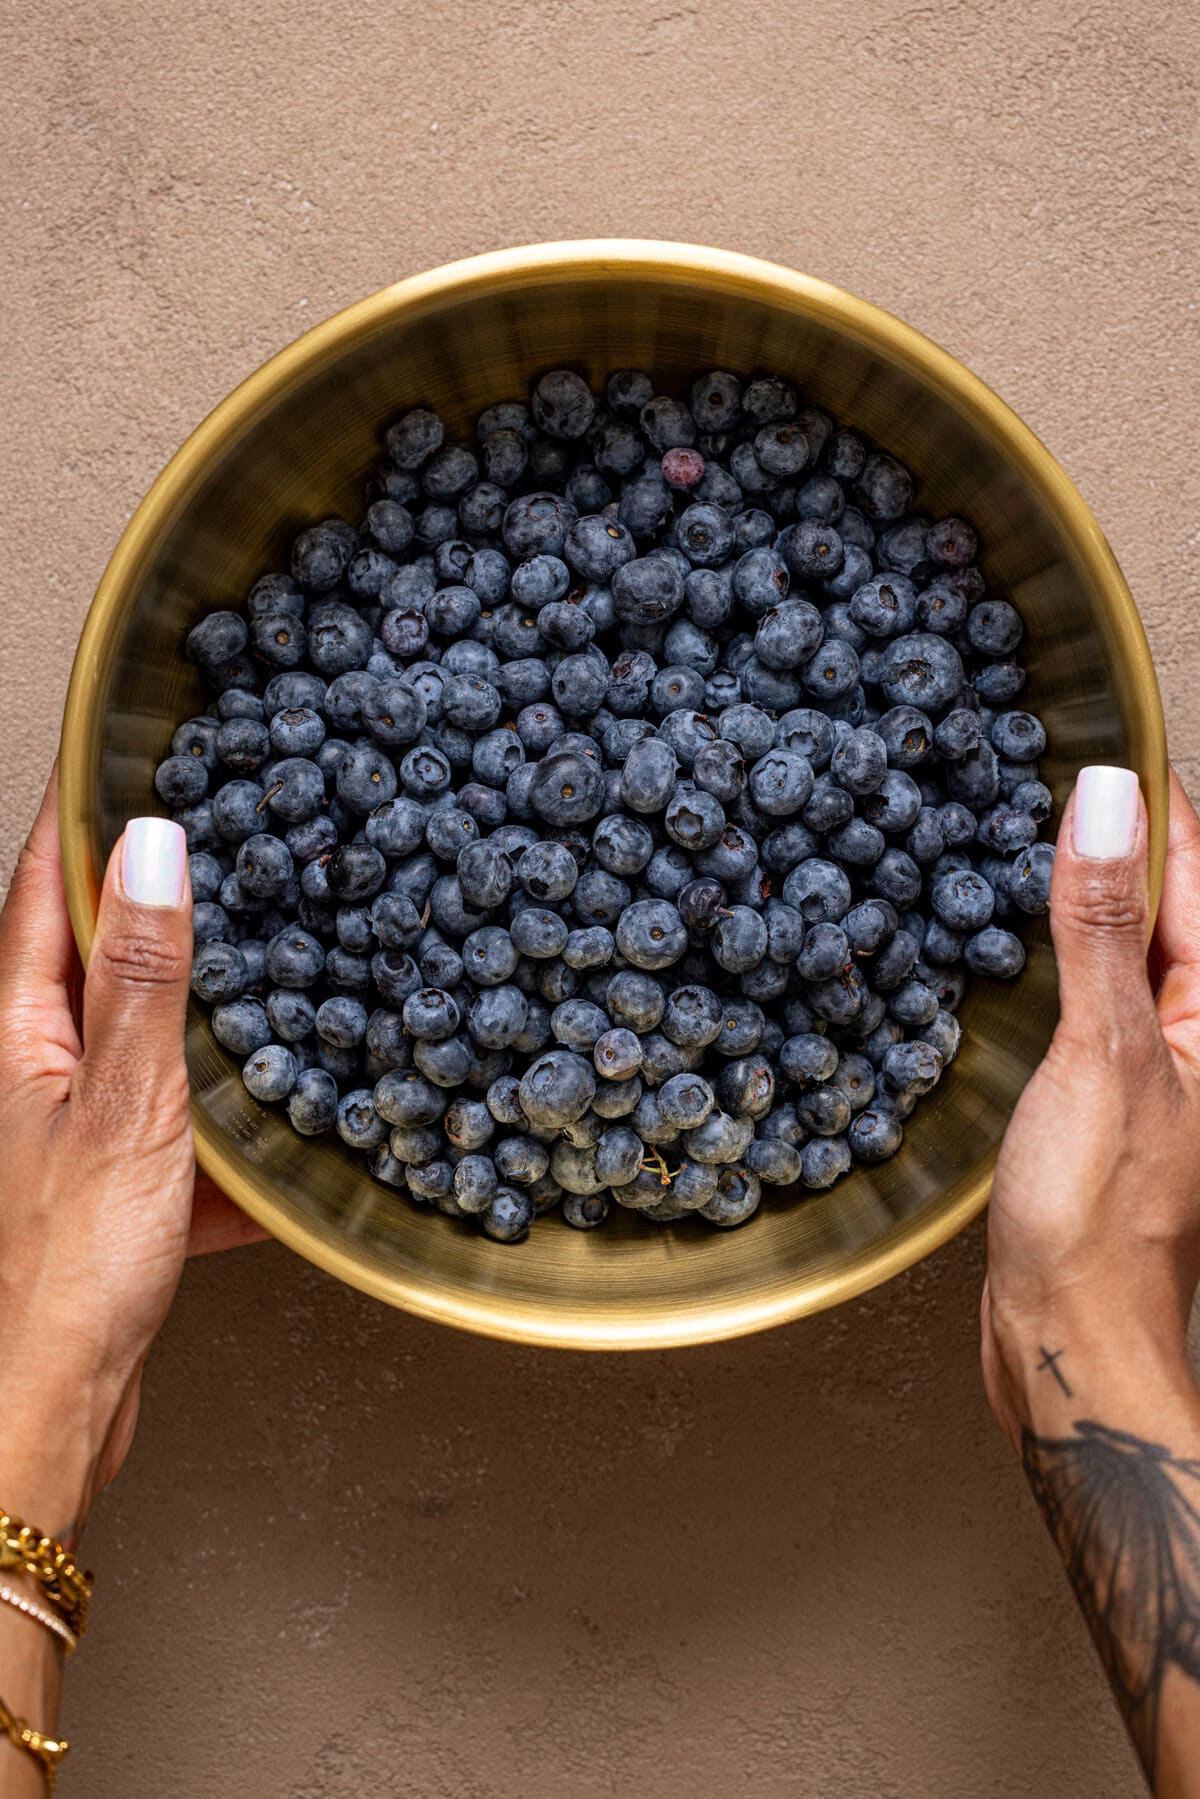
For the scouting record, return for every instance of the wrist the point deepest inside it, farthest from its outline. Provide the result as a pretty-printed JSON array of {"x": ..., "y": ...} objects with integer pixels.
[
  {"x": 1119, "y": 1362},
  {"x": 56, "y": 1417}
]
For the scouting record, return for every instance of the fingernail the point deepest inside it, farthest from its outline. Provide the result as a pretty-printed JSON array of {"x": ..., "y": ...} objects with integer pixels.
[
  {"x": 154, "y": 862},
  {"x": 1106, "y": 812}
]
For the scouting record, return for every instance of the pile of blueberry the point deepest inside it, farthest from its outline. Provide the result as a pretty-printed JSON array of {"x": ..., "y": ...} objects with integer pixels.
[{"x": 615, "y": 813}]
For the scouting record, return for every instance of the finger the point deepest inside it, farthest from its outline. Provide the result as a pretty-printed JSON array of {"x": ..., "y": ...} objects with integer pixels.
[
  {"x": 1177, "y": 930},
  {"x": 217, "y": 1223},
  {"x": 135, "y": 995},
  {"x": 37, "y": 947},
  {"x": 1099, "y": 911}
]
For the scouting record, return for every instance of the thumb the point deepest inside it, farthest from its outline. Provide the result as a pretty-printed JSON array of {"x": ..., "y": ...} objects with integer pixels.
[
  {"x": 1099, "y": 910},
  {"x": 135, "y": 996}
]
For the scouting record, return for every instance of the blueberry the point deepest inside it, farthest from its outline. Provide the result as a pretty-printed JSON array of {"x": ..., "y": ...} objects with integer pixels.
[
  {"x": 812, "y": 548},
  {"x": 217, "y": 639},
  {"x": 921, "y": 670},
  {"x": 264, "y": 865},
  {"x": 739, "y": 940},
  {"x": 342, "y": 1020},
  {"x": 296, "y": 731},
  {"x": 823, "y": 1160},
  {"x": 768, "y": 400},
  {"x": 242, "y": 1026},
  {"x": 994, "y": 951},
  {"x": 497, "y": 1017},
  {"x": 884, "y": 488},
  {"x": 963, "y": 900},
  {"x": 974, "y": 779},
  {"x": 735, "y": 1200},
  {"x": 667, "y": 423},
  {"x": 294, "y": 958},
  {"x": 998, "y": 683},
  {"x": 895, "y": 803},
  {"x": 650, "y": 934},
  {"x": 619, "y": 1156},
  {"x": 818, "y": 890},
  {"x": 705, "y": 534},
  {"x": 520, "y": 1159},
  {"x": 994, "y": 628},
  {"x": 645, "y": 506},
  {"x": 358, "y": 1123},
  {"x": 885, "y": 605},
  {"x": 584, "y": 1211},
  {"x": 313, "y": 1102},
  {"x": 296, "y": 791},
  {"x": 693, "y": 818},
  {"x": 537, "y": 525},
  {"x": 833, "y": 671},
  {"x": 745, "y": 1087},
  {"x": 753, "y": 528},
  {"x": 475, "y": 1183},
  {"x": 789, "y": 635},
  {"x": 197, "y": 738},
  {"x": 760, "y": 580},
  {"x": 824, "y": 951},
  {"x": 715, "y": 400},
  {"x": 781, "y": 448},
  {"x": 1029, "y": 879},
  {"x": 562, "y": 404},
  {"x": 944, "y": 1033},
  {"x": 911, "y": 1067},
  {"x": 775, "y": 1162},
  {"x": 556, "y": 1089},
  {"x": 237, "y": 810},
  {"x": 291, "y": 1014},
  {"x": 269, "y": 1072},
  {"x": 567, "y": 788},
  {"x": 719, "y": 1139},
  {"x": 875, "y": 1135},
  {"x": 510, "y": 1215},
  {"x": 181, "y": 780},
  {"x": 1017, "y": 736},
  {"x": 941, "y": 609}
]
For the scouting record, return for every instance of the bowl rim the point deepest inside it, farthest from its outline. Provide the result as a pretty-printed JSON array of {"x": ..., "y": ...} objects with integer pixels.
[{"x": 736, "y": 273}]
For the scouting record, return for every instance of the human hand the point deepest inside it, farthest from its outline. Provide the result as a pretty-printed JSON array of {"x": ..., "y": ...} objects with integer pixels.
[
  {"x": 1094, "y": 1228},
  {"x": 102, "y": 1202}
]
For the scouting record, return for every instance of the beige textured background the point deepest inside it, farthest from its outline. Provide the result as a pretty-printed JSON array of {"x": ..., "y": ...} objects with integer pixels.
[{"x": 357, "y": 1555}]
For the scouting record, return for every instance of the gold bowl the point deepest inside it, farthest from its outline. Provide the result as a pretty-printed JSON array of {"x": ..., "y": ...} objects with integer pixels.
[{"x": 295, "y": 441}]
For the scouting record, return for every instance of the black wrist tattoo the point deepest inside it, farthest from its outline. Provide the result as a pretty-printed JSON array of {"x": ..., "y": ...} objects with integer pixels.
[
  {"x": 1051, "y": 1362},
  {"x": 1125, "y": 1516}
]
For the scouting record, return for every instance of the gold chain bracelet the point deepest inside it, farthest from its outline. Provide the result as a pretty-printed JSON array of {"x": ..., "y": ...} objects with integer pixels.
[
  {"x": 63, "y": 1582},
  {"x": 48, "y": 1752}
]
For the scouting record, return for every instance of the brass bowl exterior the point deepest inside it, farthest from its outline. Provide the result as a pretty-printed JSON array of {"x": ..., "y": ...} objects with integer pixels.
[{"x": 295, "y": 441}]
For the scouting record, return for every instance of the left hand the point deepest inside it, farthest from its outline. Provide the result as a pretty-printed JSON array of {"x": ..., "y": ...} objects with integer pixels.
[
  {"x": 1094, "y": 1226},
  {"x": 102, "y": 1200}
]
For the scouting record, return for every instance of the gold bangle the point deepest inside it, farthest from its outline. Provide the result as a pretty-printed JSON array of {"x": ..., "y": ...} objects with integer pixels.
[
  {"x": 48, "y": 1752},
  {"x": 64, "y": 1584}
]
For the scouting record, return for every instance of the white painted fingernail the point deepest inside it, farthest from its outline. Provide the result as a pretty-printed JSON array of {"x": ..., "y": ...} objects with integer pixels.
[
  {"x": 1106, "y": 812},
  {"x": 154, "y": 862}
]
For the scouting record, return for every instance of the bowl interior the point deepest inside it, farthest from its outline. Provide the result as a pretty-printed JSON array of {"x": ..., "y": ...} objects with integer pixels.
[{"x": 296, "y": 441}]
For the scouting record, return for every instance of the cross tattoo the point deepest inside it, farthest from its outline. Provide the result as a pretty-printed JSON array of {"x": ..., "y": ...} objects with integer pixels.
[{"x": 1050, "y": 1361}]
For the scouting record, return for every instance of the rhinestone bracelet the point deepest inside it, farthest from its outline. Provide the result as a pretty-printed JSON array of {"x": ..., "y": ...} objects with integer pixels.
[{"x": 49, "y": 1619}]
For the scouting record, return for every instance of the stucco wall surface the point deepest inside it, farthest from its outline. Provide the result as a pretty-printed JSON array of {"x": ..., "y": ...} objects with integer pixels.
[{"x": 354, "y": 1554}]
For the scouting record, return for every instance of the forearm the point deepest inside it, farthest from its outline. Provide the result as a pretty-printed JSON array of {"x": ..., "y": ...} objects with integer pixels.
[
  {"x": 1111, "y": 1448},
  {"x": 48, "y": 1458}
]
